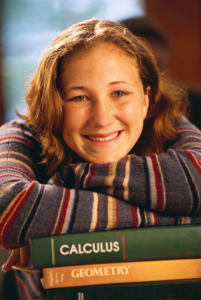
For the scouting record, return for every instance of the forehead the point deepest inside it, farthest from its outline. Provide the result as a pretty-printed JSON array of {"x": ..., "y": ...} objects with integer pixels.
[
  {"x": 103, "y": 61},
  {"x": 88, "y": 50},
  {"x": 104, "y": 64}
]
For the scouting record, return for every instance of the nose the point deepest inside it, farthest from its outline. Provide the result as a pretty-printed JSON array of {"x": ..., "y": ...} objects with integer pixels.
[{"x": 102, "y": 113}]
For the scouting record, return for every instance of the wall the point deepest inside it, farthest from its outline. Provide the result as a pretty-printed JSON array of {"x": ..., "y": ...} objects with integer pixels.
[{"x": 181, "y": 20}]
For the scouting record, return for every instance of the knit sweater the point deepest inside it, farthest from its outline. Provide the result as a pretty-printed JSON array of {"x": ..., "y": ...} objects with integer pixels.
[{"x": 155, "y": 190}]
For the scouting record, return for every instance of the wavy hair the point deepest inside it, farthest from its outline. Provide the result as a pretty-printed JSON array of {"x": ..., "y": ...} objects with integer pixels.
[{"x": 45, "y": 104}]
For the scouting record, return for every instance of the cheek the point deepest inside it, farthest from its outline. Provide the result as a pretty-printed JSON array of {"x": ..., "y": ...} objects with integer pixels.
[
  {"x": 73, "y": 119},
  {"x": 132, "y": 114}
]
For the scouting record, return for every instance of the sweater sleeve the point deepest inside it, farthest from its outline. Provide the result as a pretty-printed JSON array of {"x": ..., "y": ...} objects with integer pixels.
[
  {"x": 31, "y": 207},
  {"x": 169, "y": 182}
]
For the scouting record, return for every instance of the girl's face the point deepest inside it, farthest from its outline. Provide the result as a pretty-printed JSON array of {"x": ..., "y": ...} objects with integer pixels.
[{"x": 105, "y": 104}]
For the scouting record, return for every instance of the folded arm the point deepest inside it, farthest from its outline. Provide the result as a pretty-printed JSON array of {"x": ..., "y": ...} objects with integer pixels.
[
  {"x": 29, "y": 207},
  {"x": 169, "y": 182}
]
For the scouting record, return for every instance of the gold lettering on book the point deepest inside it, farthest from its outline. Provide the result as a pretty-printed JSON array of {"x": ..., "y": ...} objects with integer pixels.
[
  {"x": 85, "y": 248},
  {"x": 102, "y": 249},
  {"x": 98, "y": 272},
  {"x": 80, "y": 249},
  {"x": 56, "y": 278},
  {"x": 88, "y": 248},
  {"x": 73, "y": 249},
  {"x": 105, "y": 271}
]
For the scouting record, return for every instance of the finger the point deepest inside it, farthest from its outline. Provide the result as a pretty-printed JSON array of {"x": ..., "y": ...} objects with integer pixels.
[
  {"x": 13, "y": 259},
  {"x": 25, "y": 255}
]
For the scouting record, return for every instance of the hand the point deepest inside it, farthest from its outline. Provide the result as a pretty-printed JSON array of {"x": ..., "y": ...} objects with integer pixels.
[{"x": 19, "y": 258}]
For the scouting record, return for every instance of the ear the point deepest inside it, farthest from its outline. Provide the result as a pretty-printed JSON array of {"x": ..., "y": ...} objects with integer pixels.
[{"x": 147, "y": 98}]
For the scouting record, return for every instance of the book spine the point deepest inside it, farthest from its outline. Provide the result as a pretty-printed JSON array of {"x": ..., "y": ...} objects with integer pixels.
[
  {"x": 180, "y": 289},
  {"x": 175, "y": 242},
  {"x": 144, "y": 271}
]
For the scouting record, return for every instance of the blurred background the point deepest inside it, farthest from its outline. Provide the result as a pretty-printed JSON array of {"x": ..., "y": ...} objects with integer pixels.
[{"x": 28, "y": 26}]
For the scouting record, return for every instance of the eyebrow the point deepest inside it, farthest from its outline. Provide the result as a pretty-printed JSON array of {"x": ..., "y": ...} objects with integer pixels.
[
  {"x": 77, "y": 88},
  {"x": 111, "y": 83},
  {"x": 117, "y": 82}
]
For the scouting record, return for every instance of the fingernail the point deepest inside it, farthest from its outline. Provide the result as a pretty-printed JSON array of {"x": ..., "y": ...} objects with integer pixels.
[{"x": 2, "y": 267}]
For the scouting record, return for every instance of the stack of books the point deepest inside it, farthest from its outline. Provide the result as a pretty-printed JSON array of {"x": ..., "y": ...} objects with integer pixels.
[{"x": 147, "y": 263}]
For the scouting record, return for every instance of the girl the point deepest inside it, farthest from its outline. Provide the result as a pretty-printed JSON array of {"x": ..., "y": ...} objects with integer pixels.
[{"x": 104, "y": 145}]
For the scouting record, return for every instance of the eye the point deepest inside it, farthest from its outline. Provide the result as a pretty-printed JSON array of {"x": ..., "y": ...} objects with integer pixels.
[
  {"x": 78, "y": 98},
  {"x": 119, "y": 93}
]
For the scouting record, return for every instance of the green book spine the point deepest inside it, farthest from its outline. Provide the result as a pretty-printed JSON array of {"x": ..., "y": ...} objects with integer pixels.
[
  {"x": 165, "y": 290},
  {"x": 160, "y": 243}
]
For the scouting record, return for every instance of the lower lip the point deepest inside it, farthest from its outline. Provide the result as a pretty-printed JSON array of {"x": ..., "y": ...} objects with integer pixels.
[{"x": 105, "y": 143}]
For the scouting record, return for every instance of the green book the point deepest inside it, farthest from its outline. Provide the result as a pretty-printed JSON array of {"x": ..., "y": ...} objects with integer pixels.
[
  {"x": 164, "y": 290},
  {"x": 157, "y": 243}
]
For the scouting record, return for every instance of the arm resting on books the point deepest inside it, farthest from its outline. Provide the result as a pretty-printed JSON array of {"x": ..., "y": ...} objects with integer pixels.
[
  {"x": 29, "y": 207},
  {"x": 169, "y": 182}
]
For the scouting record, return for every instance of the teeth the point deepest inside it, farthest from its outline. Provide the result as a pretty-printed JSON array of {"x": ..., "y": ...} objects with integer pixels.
[{"x": 103, "y": 139}]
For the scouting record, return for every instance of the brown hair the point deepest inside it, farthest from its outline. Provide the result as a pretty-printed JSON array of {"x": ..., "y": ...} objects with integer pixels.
[{"x": 45, "y": 102}]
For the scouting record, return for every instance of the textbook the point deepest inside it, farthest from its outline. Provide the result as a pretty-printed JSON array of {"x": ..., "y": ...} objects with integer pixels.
[
  {"x": 126, "y": 272},
  {"x": 163, "y": 290},
  {"x": 157, "y": 243}
]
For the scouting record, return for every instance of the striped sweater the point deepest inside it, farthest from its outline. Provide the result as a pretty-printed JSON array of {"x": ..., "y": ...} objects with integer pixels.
[{"x": 157, "y": 190}]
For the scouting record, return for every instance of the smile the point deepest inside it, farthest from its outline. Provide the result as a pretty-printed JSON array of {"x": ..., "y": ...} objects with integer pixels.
[{"x": 102, "y": 139}]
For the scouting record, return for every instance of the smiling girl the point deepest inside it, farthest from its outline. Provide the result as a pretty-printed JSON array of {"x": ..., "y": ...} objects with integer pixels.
[
  {"x": 104, "y": 145},
  {"x": 104, "y": 104}
]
